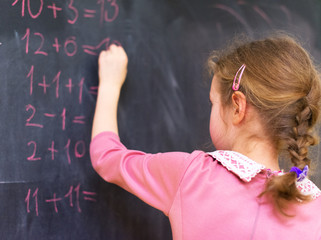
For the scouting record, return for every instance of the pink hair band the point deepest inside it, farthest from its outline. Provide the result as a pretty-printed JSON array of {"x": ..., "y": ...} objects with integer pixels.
[{"x": 236, "y": 85}]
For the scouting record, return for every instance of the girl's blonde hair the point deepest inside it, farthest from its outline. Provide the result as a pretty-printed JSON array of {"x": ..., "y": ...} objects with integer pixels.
[{"x": 282, "y": 83}]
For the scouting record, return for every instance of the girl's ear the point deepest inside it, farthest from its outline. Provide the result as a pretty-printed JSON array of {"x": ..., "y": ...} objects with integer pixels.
[{"x": 239, "y": 107}]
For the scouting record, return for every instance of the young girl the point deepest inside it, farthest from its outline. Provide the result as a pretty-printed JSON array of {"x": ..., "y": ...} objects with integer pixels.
[{"x": 265, "y": 98}]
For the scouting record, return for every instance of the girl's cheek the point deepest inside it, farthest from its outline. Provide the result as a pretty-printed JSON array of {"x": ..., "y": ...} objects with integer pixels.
[{"x": 213, "y": 128}]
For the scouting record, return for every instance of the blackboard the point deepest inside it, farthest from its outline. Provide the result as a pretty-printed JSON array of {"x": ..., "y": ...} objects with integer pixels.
[{"x": 48, "y": 66}]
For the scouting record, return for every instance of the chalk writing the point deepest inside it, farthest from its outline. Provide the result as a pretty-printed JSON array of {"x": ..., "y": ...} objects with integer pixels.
[
  {"x": 32, "y": 156},
  {"x": 54, "y": 9},
  {"x": 72, "y": 8},
  {"x": 53, "y": 93},
  {"x": 79, "y": 150},
  {"x": 72, "y": 197},
  {"x": 69, "y": 45},
  {"x": 103, "y": 45},
  {"x": 61, "y": 117},
  {"x": 105, "y": 13},
  {"x": 108, "y": 10},
  {"x": 23, "y": 5},
  {"x": 33, "y": 112},
  {"x": 35, "y": 196},
  {"x": 55, "y": 83}
]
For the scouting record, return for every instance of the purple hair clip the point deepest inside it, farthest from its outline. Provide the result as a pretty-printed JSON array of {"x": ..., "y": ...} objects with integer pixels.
[
  {"x": 301, "y": 174},
  {"x": 236, "y": 85}
]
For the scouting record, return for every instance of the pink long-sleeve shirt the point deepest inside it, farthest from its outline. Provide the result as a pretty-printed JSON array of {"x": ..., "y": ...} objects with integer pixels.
[{"x": 206, "y": 195}]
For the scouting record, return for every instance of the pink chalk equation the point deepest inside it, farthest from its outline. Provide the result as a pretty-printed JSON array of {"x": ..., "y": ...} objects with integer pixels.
[
  {"x": 73, "y": 197},
  {"x": 59, "y": 118},
  {"x": 55, "y": 84},
  {"x": 67, "y": 46},
  {"x": 79, "y": 149},
  {"x": 105, "y": 11}
]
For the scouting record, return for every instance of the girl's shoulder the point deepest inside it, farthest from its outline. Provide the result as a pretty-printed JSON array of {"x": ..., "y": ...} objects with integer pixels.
[{"x": 246, "y": 169}]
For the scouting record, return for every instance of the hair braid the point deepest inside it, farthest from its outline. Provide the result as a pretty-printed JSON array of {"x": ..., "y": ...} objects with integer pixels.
[
  {"x": 294, "y": 128},
  {"x": 298, "y": 147},
  {"x": 297, "y": 138}
]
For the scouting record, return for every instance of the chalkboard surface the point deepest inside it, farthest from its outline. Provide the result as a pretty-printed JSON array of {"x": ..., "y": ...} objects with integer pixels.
[{"x": 48, "y": 88}]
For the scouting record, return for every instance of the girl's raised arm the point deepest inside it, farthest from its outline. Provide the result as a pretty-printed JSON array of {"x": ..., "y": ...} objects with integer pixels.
[{"x": 112, "y": 74}]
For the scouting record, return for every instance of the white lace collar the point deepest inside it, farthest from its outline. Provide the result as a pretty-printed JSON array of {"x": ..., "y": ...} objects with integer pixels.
[{"x": 246, "y": 169}]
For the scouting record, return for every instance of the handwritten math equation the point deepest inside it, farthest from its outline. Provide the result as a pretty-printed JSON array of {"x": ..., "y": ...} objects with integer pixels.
[
  {"x": 73, "y": 197},
  {"x": 68, "y": 46},
  {"x": 104, "y": 11},
  {"x": 61, "y": 116},
  {"x": 57, "y": 83},
  {"x": 79, "y": 150}
]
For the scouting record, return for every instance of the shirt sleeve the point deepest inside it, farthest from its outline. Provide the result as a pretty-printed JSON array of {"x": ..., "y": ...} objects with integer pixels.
[{"x": 154, "y": 178}]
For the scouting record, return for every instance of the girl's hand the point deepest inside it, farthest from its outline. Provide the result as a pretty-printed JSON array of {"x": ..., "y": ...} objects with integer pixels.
[
  {"x": 112, "y": 73},
  {"x": 112, "y": 67}
]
